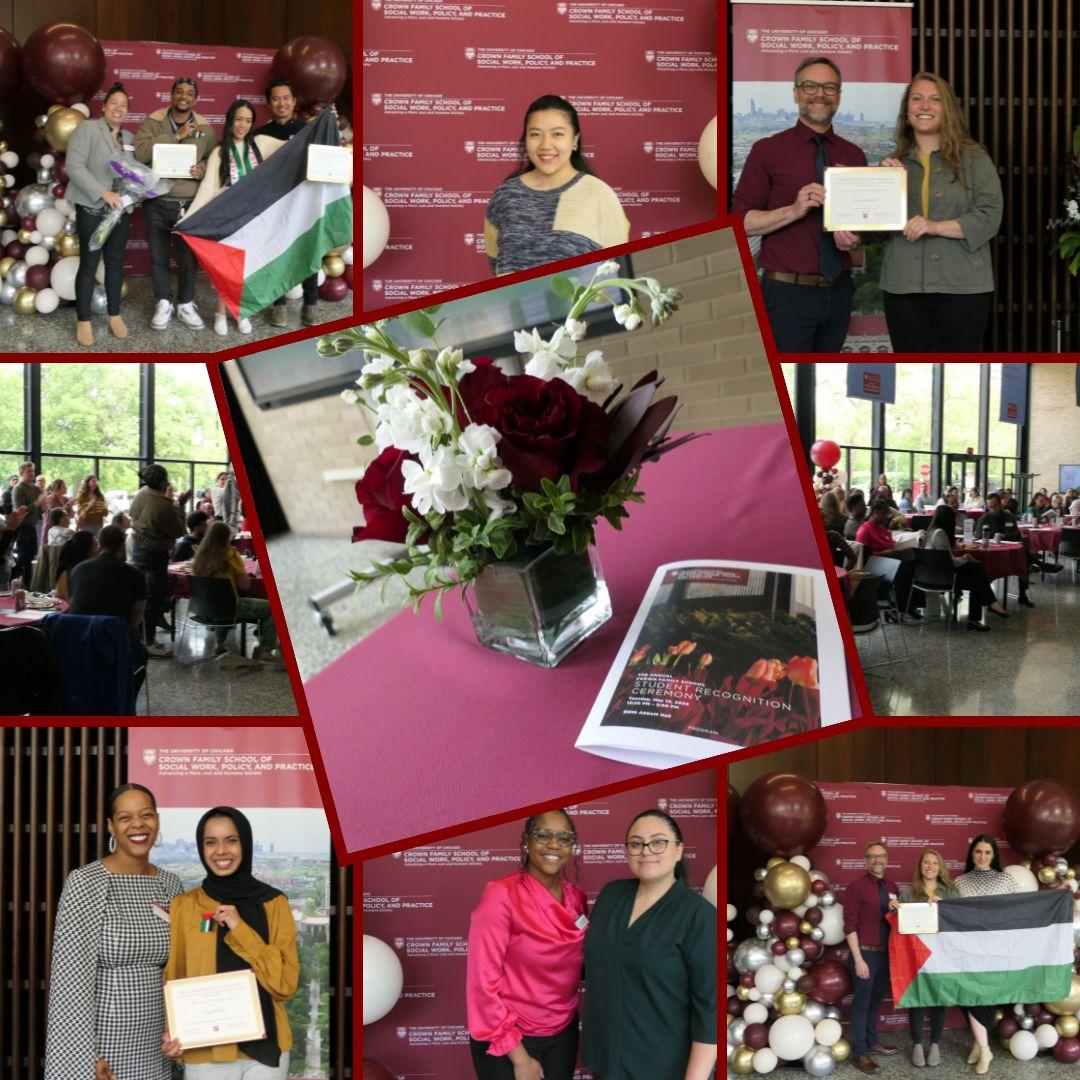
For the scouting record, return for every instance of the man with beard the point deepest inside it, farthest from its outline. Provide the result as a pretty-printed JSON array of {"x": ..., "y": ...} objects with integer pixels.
[
  {"x": 807, "y": 286},
  {"x": 179, "y": 123}
]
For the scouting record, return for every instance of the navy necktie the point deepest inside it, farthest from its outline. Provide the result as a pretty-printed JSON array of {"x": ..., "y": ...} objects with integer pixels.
[{"x": 829, "y": 260}]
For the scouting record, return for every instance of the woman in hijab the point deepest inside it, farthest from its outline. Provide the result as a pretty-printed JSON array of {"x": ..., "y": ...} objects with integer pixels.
[{"x": 234, "y": 922}]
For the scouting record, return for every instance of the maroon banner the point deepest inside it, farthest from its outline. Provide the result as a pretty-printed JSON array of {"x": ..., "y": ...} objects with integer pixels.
[
  {"x": 418, "y": 902},
  {"x": 446, "y": 86}
]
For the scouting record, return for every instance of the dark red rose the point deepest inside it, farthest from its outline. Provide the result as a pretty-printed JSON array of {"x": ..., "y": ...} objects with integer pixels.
[
  {"x": 548, "y": 428},
  {"x": 380, "y": 492}
]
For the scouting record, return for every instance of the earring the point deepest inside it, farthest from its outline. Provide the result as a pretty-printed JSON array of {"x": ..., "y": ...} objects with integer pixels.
[
  {"x": 112, "y": 843},
  {"x": 157, "y": 842}
]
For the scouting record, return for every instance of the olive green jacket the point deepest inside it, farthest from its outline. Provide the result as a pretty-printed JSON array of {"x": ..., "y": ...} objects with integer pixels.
[{"x": 938, "y": 264}]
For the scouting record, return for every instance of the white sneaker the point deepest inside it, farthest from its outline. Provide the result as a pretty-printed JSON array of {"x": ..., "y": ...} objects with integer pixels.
[
  {"x": 221, "y": 327},
  {"x": 162, "y": 315},
  {"x": 243, "y": 325},
  {"x": 189, "y": 316},
  {"x": 158, "y": 652}
]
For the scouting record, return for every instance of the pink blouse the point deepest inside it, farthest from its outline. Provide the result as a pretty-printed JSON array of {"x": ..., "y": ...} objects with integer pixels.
[{"x": 525, "y": 960}]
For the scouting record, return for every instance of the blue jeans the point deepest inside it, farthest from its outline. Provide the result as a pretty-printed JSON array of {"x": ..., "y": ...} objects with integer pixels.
[
  {"x": 868, "y": 996},
  {"x": 805, "y": 318}
]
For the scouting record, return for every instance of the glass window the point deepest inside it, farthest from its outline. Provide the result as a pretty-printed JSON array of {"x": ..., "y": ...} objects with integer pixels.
[
  {"x": 789, "y": 381},
  {"x": 845, "y": 420},
  {"x": 11, "y": 421},
  {"x": 960, "y": 423},
  {"x": 908, "y": 425},
  {"x": 1002, "y": 448},
  {"x": 187, "y": 424}
]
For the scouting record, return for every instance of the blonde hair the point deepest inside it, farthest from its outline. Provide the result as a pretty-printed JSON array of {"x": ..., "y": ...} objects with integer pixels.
[
  {"x": 212, "y": 554},
  {"x": 955, "y": 137},
  {"x": 918, "y": 886}
]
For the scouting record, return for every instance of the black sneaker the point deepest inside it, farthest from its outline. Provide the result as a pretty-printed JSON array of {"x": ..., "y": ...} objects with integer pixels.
[
  {"x": 978, "y": 626},
  {"x": 1026, "y": 601}
]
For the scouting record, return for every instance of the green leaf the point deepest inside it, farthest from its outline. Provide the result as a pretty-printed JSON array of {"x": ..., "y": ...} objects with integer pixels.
[
  {"x": 431, "y": 310},
  {"x": 562, "y": 287},
  {"x": 556, "y": 524},
  {"x": 419, "y": 323},
  {"x": 365, "y": 440}
]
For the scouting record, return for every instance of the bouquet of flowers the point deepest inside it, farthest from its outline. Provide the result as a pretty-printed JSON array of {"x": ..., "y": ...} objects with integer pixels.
[
  {"x": 134, "y": 183},
  {"x": 478, "y": 465},
  {"x": 1068, "y": 243}
]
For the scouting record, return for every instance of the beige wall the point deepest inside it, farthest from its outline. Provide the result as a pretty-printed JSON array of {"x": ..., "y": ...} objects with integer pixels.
[
  {"x": 1054, "y": 422},
  {"x": 710, "y": 354}
]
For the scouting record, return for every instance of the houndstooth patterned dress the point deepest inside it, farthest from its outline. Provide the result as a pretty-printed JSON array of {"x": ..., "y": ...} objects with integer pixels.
[{"x": 105, "y": 998}]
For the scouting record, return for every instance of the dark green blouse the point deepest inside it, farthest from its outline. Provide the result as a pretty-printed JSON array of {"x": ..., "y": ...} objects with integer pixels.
[{"x": 650, "y": 988}]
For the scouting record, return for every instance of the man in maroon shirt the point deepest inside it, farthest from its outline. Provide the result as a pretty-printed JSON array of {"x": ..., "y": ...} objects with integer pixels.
[
  {"x": 866, "y": 901},
  {"x": 807, "y": 284}
]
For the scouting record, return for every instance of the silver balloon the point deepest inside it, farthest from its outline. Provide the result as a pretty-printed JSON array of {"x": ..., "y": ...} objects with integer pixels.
[
  {"x": 1027, "y": 1022},
  {"x": 788, "y": 985},
  {"x": 767, "y": 1000},
  {"x": 48, "y": 243},
  {"x": 44, "y": 176},
  {"x": 759, "y": 873},
  {"x": 1061, "y": 866},
  {"x": 763, "y": 932},
  {"x": 820, "y": 1061},
  {"x": 17, "y": 274},
  {"x": 1019, "y": 1010},
  {"x": 69, "y": 228},
  {"x": 33, "y": 199},
  {"x": 796, "y": 957},
  {"x": 832, "y": 1012},
  {"x": 730, "y": 1050},
  {"x": 817, "y": 934},
  {"x": 99, "y": 303},
  {"x": 814, "y": 1011},
  {"x": 750, "y": 955},
  {"x": 736, "y": 1030},
  {"x": 7, "y": 294},
  {"x": 826, "y": 900}
]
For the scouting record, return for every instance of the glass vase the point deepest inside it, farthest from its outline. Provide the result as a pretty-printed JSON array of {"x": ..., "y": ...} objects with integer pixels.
[{"x": 539, "y": 606}]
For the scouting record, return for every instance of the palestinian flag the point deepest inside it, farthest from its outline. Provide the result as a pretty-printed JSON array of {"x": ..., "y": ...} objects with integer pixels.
[
  {"x": 989, "y": 950},
  {"x": 206, "y": 923},
  {"x": 264, "y": 235}
]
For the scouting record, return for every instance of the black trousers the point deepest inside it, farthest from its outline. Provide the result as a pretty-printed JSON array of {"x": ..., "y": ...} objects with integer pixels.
[
  {"x": 972, "y": 577},
  {"x": 160, "y": 217},
  {"x": 86, "y": 221},
  {"x": 311, "y": 291},
  {"x": 26, "y": 548},
  {"x": 937, "y": 1023},
  {"x": 937, "y": 322},
  {"x": 805, "y": 318},
  {"x": 557, "y": 1055},
  {"x": 155, "y": 568}
]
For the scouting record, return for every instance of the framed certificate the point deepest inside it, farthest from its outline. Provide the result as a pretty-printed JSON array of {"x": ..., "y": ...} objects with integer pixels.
[
  {"x": 330, "y": 164},
  {"x": 174, "y": 160},
  {"x": 918, "y": 919},
  {"x": 211, "y": 1010},
  {"x": 865, "y": 199}
]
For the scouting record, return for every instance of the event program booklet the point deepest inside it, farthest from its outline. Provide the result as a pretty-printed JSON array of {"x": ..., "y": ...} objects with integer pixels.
[{"x": 720, "y": 655}]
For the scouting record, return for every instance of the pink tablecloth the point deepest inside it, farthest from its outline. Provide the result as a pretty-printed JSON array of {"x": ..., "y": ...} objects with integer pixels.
[
  {"x": 7, "y": 613},
  {"x": 180, "y": 582},
  {"x": 420, "y": 728},
  {"x": 244, "y": 545},
  {"x": 1001, "y": 560},
  {"x": 1044, "y": 538}
]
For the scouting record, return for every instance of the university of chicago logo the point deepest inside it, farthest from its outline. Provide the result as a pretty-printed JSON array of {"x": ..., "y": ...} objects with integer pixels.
[
  {"x": 470, "y": 146},
  {"x": 648, "y": 147},
  {"x": 149, "y": 757},
  {"x": 662, "y": 803},
  {"x": 650, "y": 56},
  {"x": 399, "y": 943},
  {"x": 561, "y": 8},
  {"x": 470, "y": 239},
  {"x": 376, "y": 5},
  {"x": 751, "y": 36},
  {"x": 470, "y": 53},
  {"x": 376, "y": 99},
  {"x": 377, "y": 191},
  {"x": 376, "y": 285},
  {"x": 402, "y": 1032}
]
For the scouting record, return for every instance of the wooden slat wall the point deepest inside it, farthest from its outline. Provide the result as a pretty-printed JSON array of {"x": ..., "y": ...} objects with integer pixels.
[
  {"x": 1012, "y": 65},
  {"x": 53, "y": 785}
]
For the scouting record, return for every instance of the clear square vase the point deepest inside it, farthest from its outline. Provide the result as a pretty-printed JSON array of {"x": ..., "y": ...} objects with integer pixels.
[{"x": 539, "y": 606}]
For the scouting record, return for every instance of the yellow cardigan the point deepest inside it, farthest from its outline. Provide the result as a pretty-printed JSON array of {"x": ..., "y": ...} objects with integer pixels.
[{"x": 276, "y": 965}]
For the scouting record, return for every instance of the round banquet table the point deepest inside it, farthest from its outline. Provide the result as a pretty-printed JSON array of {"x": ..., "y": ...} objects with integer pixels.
[
  {"x": 180, "y": 580},
  {"x": 1004, "y": 560},
  {"x": 918, "y": 521},
  {"x": 8, "y": 616},
  {"x": 1043, "y": 537},
  {"x": 244, "y": 545}
]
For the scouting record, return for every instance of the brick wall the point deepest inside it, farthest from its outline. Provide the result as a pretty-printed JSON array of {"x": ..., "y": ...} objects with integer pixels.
[
  {"x": 710, "y": 354},
  {"x": 1055, "y": 422}
]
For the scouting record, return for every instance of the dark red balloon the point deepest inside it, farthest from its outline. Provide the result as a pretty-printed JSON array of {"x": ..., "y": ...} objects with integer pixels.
[
  {"x": 1049, "y": 859},
  {"x": 1044, "y": 1016},
  {"x": 29, "y": 222},
  {"x": 1033, "y": 1010},
  {"x": 783, "y": 813},
  {"x": 33, "y": 159},
  {"x": 778, "y": 948},
  {"x": 735, "y": 1006},
  {"x": 60, "y": 171},
  {"x": 373, "y": 1070},
  {"x": 832, "y": 981},
  {"x": 348, "y": 281},
  {"x": 1007, "y": 1027},
  {"x": 1042, "y": 816},
  {"x": 746, "y": 979},
  {"x": 63, "y": 62},
  {"x": 817, "y": 887},
  {"x": 333, "y": 289},
  {"x": 1067, "y": 1050},
  {"x": 805, "y": 984},
  {"x": 814, "y": 916},
  {"x": 16, "y": 249},
  {"x": 37, "y": 277},
  {"x": 58, "y": 190},
  {"x": 825, "y": 453},
  {"x": 732, "y": 971},
  {"x": 313, "y": 66},
  {"x": 753, "y": 915},
  {"x": 10, "y": 68},
  {"x": 756, "y": 1036},
  {"x": 812, "y": 949},
  {"x": 785, "y": 925}
]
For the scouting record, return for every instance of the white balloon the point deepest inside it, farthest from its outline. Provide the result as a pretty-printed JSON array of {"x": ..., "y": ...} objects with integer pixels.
[
  {"x": 295, "y": 292},
  {"x": 63, "y": 277},
  {"x": 1023, "y": 1045},
  {"x": 766, "y": 917},
  {"x": 346, "y": 256},
  {"x": 795, "y": 973},
  {"x": 730, "y": 934},
  {"x": 46, "y": 301},
  {"x": 376, "y": 227},
  {"x": 47, "y": 161},
  {"x": 781, "y": 961},
  {"x": 754, "y": 994},
  {"x": 36, "y": 256},
  {"x": 706, "y": 152},
  {"x": 801, "y": 909},
  {"x": 708, "y": 890},
  {"x": 768, "y": 978},
  {"x": 790, "y": 1037},
  {"x": 321, "y": 276},
  {"x": 50, "y": 221},
  {"x": 765, "y": 1060},
  {"x": 383, "y": 979},
  {"x": 9, "y": 180},
  {"x": 7, "y": 236},
  {"x": 1046, "y": 1035},
  {"x": 810, "y": 901},
  {"x": 756, "y": 1013},
  {"x": 84, "y": 109},
  {"x": 732, "y": 911},
  {"x": 9, "y": 158},
  {"x": 832, "y": 924},
  {"x": 828, "y": 1032},
  {"x": 1026, "y": 882},
  {"x": 801, "y": 860},
  {"x": 35, "y": 237}
]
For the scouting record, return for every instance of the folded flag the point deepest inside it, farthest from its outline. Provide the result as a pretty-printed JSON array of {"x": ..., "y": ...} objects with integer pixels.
[
  {"x": 262, "y": 236},
  {"x": 989, "y": 950}
]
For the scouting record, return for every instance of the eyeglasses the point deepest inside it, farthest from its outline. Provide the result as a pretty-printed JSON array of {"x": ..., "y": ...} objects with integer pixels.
[
  {"x": 542, "y": 836},
  {"x": 878, "y": 858},
  {"x": 657, "y": 846},
  {"x": 829, "y": 89}
]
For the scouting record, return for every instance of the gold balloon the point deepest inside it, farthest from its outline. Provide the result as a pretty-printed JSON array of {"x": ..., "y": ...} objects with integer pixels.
[
  {"x": 52, "y": 108},
  {"x": 3, "y": 213},
  {"x": 24, "y": 236},
  {"x": 1067, "y": 1026},
  {"x": 776, "y": 860},
  {"x": 334, "y": 265},
  {"x": 805, "y": 927},
  {"x": 841, "y": 1050},
  {"x": 789, "y": 1003},
  {"x": 60, "y": 125},
  {"x": 1047, "y": 874},
  {"x": 786, "y": 885},
  {"x": 742, "y": 993},
  {"x": 1026, "y": 864},
  {"x": 1070, "y": 874},
  {"x": 24, "y": 301},
  {"x": 3, "y": 146},
  {"x": 792, "y": 942},
  {"x": 742, "y": 1061},
  {"x": 5, "y": 265},
  {"x": 1067, "y": 1005},
  {"x": 67, "y": 245}
]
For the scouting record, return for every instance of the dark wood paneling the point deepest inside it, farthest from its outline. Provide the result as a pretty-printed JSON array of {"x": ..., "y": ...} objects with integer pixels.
[
  {"x": 126, "y": 20},
  {"x": 326, "y": 18},
  {"x": 861, "y": 757},
  {"x": 28, "y": 15},
  {"x": 253, "y": 22}
]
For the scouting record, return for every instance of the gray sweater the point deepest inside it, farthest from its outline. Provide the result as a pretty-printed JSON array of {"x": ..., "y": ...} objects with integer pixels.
[{"x": 89, "y": 151}]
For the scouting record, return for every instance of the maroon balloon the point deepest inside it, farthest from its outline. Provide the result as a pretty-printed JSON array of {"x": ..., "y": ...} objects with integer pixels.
[
  {"x": 60, "y": 171},
  {"x": 348, "y": 281},
  {"x": 1050, "y": 859},
  {"x": 732, "y": 971},
  {"x": 814, "y": 916},
  {"x": 783, "y": 813},
  {"x": 37, "y": 277},
  {"x": 333, "y": 289},
  {"x": 805, "y": 984},
  {"x": 832, "y": 981},
  {"x": 812, "y": 949},
  {"x": 28, "y": 222},
  {"x": 1007, "y": 1027},
  {"x": 63, "y": 62},
  {"x": 16, "y": 249},
  {"x": 755, "y": 1036},
  {"x": 374, "y": 1070},
  {"x": 1042, "y": 816},
  {"x": 1067, "y": 1050},
  {"x": 817, "y": 887},
  {"x": 313, "y": 66},
  {"x": 778, "y": 948},
  {"x": 58, "y": 190},
  {"x": 735, "y": 1006},
  {"x": 785, "y": 925},
  {"x": 33, "y": 159},
  {"x": 10, "y": 68},
  {"x": 1044, "y": 1016},
  {"x": 1033, "y": 1010},
  {"x": 746, "y": 979},
  {"x": 753, "y": 915}
]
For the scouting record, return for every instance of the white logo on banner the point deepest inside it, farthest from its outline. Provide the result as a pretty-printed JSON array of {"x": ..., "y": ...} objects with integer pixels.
[
  {"x": 560, "y": 8},
  {"x": 469, "y": 239},
  {"x": 401, "y": 1031},
  {"x": 650, "y": 56},
  {"x": 376, "y": 285},
  {"x": 751, "y": 36},
  {"x": 648, "y": 147},
  {"x": 662, "y": 803},
  {"x": 149, "y": 757},
  {"x": 377, "y": 191},
  {"x": 470, "y": 53},
  {"x": 376, "y": 5},
  {"x": 470, "y": 146},
  {"x": 376, "y": 99},
  {"x": 399, "y": 943}
]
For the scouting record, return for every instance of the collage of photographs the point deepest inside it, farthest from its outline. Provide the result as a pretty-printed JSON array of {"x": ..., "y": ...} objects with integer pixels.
[{"x": 414, "y": 629}]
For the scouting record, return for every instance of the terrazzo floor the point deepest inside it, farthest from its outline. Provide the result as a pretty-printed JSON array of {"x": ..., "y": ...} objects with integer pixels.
[{"x": 1027, "y": 665}]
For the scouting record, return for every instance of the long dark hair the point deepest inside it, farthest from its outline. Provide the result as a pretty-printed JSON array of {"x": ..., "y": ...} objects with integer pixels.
[
  {"x": 944, "y": 518},
  {"x": 551, "y": 101},
  {"x": 983, "y": 838},
  {"x": 73, "y": 552},
  {"x": 227, "y": 139},
  {"x": 530, "y": 824},
  {"x": 682, "y": 873}
]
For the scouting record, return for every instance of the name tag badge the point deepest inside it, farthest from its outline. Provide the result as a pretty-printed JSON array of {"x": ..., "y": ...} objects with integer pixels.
[
  {"x": 160, "y": 911},
  {"x": 892, "y": 896},
  {"x": 581, "y": 922}
]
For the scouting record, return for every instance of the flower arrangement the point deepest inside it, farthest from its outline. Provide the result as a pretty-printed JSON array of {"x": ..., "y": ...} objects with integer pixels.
[
  {"x": 478, "y": 465},
  {"x": 1068, "y": 243}
]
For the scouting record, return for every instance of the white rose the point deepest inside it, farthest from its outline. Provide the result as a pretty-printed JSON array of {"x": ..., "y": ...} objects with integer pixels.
[
  {"x": 478, "y": 458},
  {"x": 527, "y": 341},
  {"x": 544, "y": 365},
  {"x": 434, "y": 482},
  {"x": 576, "y": 329},
  {"x": 621, "y": 313}
]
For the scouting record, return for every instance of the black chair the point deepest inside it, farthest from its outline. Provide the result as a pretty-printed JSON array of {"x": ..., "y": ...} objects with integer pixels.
[
  {"x": 212, "y": 606},
  {"x": 864, "y": 613},
  {"x": 886, "y": 568},
  {"x": 935, "y": 574},
  {"x": 1070, "y": 548},
  {"x": 36, "y": 692}
]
